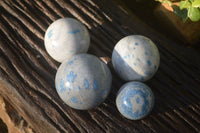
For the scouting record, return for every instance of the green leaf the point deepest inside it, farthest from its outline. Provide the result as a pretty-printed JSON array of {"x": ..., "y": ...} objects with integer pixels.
[
  {"x": 184, "y": 4},
  {"x": 182, "y": 14},
  {"x": 194, "y": 13},
  {"x": 196, "y": 3}
]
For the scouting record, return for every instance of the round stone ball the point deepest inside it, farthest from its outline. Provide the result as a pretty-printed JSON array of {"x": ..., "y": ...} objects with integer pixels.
[
  {"x": 135, "y": 58},
  {"x": 66, "y": 37},
  {"x": 83, "y": 81},
  {"x": 135, "y": 100}
]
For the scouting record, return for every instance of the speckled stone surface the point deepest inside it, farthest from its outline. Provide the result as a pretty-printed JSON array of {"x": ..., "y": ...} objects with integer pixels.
[
  {"x": 83, "y": 82},
  {"x": 135, "y": 57},
  {"x": 135, "y": 100},
  {"x": 66, "y": 37}
]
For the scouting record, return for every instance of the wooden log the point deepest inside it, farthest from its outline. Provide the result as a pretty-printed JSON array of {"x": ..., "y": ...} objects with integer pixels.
[{"x": 27, "y": 72}]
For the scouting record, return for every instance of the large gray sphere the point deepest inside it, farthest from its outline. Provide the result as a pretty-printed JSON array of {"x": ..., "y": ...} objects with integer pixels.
[
  {"x": 66, "y": 37},
  {"x": 83, "y": 81},
  {"x": 135, "y": 57}
]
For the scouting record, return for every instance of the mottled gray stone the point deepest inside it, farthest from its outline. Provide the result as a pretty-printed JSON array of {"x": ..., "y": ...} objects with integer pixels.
[
  {"x": 135, "y": 100},
  {"x": 135, "y": 57},
  {"x": 83, "y": 81},
  {"x": 66, "y": 37}
]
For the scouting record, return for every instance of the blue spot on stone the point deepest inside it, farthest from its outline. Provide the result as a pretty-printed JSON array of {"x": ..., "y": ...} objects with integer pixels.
[
  {"x": 74, "y": 31},
  {"x": 71, "y": 76},
  {"x": 134, "y": 48},
  {"x": 137, "y": 100},
  {"x": 62, "y": 86},
  {"x": 74, "y": 100},
  {"x": 57, "y": 87},
  {"x": 155, "y": 67},
  {"x": 125, "y": 57},
  {"x": 133, "y": 55},
  {"x": 103, "y": 93},
  {"x": 120, "y": 71},
  {"x": 79, "y": 87},
  {"x": 149, "y": 63},
  {"x": 86, "y": 84},
  {"x": 72, "y": 51},
  {"x": 128, "y": 56},
  {"x": 146, "y": 73},
  {"x": 70, "y": 62},
  {"x": 95, "y": 85},
  {"x": 49, "y": 34},
  {"x": 136, "y": 44},
  {"x": 146, "y": 53},
  {"x": 138, "y": 59},
  {"x": 81, "y": 103},
  {"x": 134, "y": 64}
]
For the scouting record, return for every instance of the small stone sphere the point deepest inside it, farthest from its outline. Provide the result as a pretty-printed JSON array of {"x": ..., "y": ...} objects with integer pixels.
[
  {"x": 135, "y": 100},
  {"x": 135, "y": 57},
  {"x": 66, "y": 37},
  {"x": 83, "y": 81}
]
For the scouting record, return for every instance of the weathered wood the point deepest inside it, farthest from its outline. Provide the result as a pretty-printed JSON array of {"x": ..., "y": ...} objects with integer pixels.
[
  {"x": 15, "y": 123},
  {"x": 27, "y": 72}
]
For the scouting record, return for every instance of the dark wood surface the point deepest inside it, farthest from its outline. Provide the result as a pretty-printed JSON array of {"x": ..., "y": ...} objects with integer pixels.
[{"x": 27, "y": 72}]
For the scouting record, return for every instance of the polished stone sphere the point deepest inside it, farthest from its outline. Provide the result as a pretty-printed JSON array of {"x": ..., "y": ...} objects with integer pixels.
[
  {"x": 66, "y": 37},
  {"x": 83, "y": 81},
  {"x": 135, "y": 100},
  {"x": 135, "y": 57}
]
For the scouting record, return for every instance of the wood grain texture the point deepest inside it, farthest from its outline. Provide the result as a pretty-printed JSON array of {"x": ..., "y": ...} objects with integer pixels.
[
  {"x": 14, "y": 123},
  {"x": 27, "y": 72}
]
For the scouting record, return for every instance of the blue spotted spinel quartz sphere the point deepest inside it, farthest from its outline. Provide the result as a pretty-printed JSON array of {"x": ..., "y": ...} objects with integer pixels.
[
  {"x": 135, "y": 57},
  {"x": 83, "y": 81},
  {"x": 66, "y": 37},
  {"x": 135, "y": 100}
]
